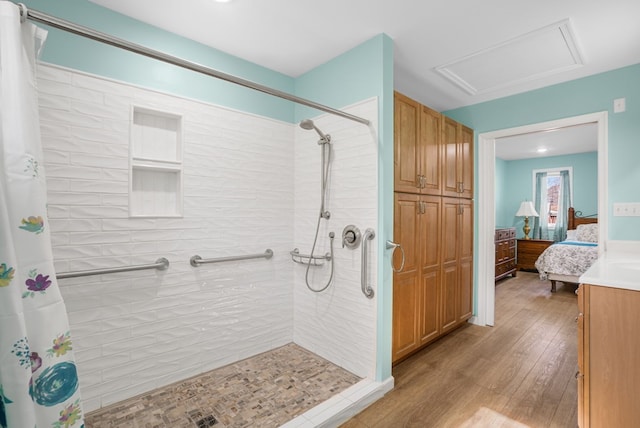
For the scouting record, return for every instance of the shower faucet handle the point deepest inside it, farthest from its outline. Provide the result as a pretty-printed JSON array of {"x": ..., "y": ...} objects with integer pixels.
[{"x": 351, "y": 237}]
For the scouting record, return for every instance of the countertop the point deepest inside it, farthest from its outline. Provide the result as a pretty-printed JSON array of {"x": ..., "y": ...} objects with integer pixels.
[{"x": 618, "y": 267}]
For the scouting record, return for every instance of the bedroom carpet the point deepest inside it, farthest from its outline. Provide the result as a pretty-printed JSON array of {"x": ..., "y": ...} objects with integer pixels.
[{"x": 519, "y": 373}]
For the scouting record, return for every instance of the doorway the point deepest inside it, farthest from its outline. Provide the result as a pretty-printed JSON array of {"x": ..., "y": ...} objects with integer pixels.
[{"x": 485, "y": 297}]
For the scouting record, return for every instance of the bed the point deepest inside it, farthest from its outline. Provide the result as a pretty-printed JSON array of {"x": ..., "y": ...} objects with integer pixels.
[{"x": 565, "y": 261}]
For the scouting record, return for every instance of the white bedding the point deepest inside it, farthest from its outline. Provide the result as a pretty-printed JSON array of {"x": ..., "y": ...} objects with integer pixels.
[{"x": 567, "y": 258}]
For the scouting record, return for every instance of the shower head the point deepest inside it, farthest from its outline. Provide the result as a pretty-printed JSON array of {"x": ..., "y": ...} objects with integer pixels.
[{"x": 309, "y": 125}]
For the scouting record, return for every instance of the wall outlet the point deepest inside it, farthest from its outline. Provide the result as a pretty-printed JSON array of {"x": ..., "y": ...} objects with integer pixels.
[{"x": 628, "y": 209}]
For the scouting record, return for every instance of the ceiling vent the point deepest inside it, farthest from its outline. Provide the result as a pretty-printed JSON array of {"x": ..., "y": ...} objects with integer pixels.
[{"x": 541, "y": 53}]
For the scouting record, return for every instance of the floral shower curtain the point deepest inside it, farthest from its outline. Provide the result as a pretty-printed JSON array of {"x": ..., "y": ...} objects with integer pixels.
[{"x": 38, "y": 378}]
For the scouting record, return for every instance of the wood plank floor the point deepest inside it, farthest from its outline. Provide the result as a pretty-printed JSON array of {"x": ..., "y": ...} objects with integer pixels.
[{"x": 519, "y": 373}]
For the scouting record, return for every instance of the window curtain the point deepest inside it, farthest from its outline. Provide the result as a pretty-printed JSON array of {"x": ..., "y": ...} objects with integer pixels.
[
  {"x": 560, "y": 233},
  {"x": 38, "y": 378},
  {"x": 540, "y": 223}
]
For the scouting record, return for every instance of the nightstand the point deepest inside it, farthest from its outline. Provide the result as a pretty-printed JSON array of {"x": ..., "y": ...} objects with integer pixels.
[{"x": 528, "y": 251}]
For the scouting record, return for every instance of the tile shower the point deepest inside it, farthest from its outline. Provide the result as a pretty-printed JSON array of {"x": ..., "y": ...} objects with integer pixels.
[{"x": 247, "y": 183}]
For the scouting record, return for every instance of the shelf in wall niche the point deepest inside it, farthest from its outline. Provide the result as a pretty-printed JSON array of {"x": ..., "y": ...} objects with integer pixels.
[
  {"x": 155, "y": 192},
  {"x": 156, "y": 135},
  {"x": 155, "y": 181}
]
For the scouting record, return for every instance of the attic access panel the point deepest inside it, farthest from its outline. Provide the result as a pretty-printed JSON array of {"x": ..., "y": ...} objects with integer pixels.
[{"x": 540, "y": 53}]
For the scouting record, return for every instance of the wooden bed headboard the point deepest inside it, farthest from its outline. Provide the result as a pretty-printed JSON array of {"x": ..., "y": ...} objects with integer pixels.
[{"x": 576, "y": 221}]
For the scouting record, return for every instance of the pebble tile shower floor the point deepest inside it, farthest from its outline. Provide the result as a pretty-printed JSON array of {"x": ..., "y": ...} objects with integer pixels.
[{"x": 266, "y": 390}]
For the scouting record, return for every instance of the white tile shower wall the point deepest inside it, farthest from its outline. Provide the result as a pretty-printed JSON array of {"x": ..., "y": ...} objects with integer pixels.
[
  {"x": 338, "y": 324},
  {"x": 140, "y": 330}
]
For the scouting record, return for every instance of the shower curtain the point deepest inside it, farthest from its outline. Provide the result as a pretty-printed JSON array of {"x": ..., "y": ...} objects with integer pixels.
[{"x": 38, "y": 379}]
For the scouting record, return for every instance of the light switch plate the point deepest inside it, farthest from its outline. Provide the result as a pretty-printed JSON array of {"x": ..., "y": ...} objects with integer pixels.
[
  {"x": 619, "y": 105},
  {"x": 627, "y": 209}
]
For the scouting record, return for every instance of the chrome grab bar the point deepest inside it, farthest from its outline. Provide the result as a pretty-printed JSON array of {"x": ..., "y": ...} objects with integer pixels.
[
  {"x": 197, "y": 260},
  {"x": 160, "y": 264},
  {"x": 369, "y": 234},
  {"x": 390, "y": 245}
]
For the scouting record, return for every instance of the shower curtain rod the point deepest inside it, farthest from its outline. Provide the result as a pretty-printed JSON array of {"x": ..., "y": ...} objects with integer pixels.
[{"x": 79, "y": 30}]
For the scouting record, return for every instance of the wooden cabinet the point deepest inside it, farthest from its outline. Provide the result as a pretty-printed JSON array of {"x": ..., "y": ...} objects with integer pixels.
[
  {"x": 457, "y": 165},
  {"x": 608, "y": 349},
  {"x": 434, "y": 293},
  {"x": 505, "y": 243},
  {"x": 416, "y": 288},
  {"x": 417, "y": 148},
  {"x": 528, "y": 252}
]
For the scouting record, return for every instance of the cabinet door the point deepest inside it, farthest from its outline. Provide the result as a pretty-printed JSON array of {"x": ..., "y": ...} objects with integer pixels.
[
  {"x": 465, "y": 260},
  {"x": 583, "y": 292},
  {"x": 612, "y": 317},
  {"x": 430, "y": 238},
  {"x": 407, "y": 154},
  {"x": 465, "y": 161},
  {"x": 406, "y": 295},
  {"x": 450, "y": 180},
  {"x": 431, "y": 151},
  {"x": 405, "y": 300},
  {"x": 449, "y": 280},
  {"x": 457, "y": 173}
]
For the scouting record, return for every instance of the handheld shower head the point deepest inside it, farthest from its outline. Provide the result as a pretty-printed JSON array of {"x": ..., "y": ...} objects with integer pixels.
[{"x": 309, "y": 125}]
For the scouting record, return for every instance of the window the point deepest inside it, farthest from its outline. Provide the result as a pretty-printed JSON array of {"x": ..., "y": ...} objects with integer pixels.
[
  {"x": 550, "y": 200},
  {"x": 553, "y": 181}
]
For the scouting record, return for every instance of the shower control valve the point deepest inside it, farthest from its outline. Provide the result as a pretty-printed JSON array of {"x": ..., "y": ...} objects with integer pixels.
[{"x": 351, "y": 237}]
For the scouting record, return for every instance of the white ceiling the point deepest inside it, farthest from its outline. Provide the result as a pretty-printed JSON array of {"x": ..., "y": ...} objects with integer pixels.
[
  {"x": 554, "y": 142},
  {"x": 295, "y": 36}
]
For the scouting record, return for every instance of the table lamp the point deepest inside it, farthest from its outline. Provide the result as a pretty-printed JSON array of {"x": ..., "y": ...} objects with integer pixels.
[{"x": 526, "y": 210}]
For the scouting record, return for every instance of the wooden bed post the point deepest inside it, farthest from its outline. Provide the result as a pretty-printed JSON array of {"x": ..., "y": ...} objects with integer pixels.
[{"x": 572, "y": 219}]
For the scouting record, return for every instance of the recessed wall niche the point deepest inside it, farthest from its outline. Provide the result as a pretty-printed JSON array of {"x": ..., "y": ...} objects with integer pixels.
[{"x": 155, "y": 179}]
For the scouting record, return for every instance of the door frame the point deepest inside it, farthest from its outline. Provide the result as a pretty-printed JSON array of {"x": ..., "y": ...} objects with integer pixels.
[{"x": 485, "y": 302}]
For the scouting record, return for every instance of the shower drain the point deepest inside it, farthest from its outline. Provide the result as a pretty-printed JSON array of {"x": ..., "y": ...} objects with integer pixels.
[
  {"x": 207, "y": 421},
  {"x": 196, "y": 416}
]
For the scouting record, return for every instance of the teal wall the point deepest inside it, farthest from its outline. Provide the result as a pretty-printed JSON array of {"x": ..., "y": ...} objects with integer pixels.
[
  {"x": 361, "y": 73},
  {"x": 79, "y": 53},
  {"x": 346, "y": 79},
  {"x": 582, "y": 96},
  {"x": 516, "y": 181},
  {"x": 578, "y": 97}
]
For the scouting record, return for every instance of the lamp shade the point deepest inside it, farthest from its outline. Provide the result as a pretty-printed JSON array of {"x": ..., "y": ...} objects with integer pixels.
[{"x": 526, "y": 210}]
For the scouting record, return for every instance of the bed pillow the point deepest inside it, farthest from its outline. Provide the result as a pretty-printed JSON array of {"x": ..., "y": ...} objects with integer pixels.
[
  {"x": 571, "y": 235},
  {"x": 587, "y": 232}
]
